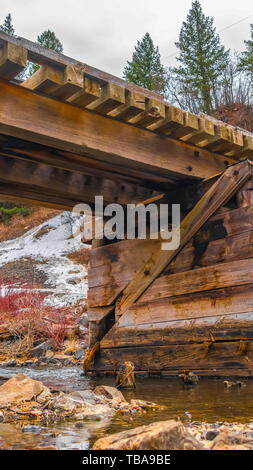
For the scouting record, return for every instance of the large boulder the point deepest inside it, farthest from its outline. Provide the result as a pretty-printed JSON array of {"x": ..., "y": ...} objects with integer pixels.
[
  {"x": 109, "y": 393},
  {"x": 164, "y": 435},
  {"x": 21, "y": 388}
]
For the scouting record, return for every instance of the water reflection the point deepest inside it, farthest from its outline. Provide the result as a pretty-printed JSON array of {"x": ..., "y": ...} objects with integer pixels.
[{"x": 209, "y": 401}]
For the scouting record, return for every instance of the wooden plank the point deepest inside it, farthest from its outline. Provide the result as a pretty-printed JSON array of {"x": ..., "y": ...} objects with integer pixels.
[
  {"x": 98, "y": 314},
  {"x": 91, "y": 92},
  {"x": 191, "y": 124},
  {"x": 134, "y": 105},
  {"x": 154, "y": 111},
  {"x": 247, "y": 151},
  {"x": 55, "y": 82},
  {"x": 42, "y": 55},
  {"x": 245, "y": 196},
  {"x": 174, "y": 119},
  {"x": 69, "y": 184},
  {"x": 222, "y": 358},
  {"x": 13, "y": 59},
  {"x": 111, "y": 97},
  {"x": 226, "y": 186},
  {"x": 233, "y": 327},
  {"x": 204, "y": 132},
  {"x": 32, "y": 117},
  {"x": 225, "y": 301}
]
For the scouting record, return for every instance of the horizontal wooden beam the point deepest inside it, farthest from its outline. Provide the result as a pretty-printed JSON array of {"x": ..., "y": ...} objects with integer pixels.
[
  {"x": 69, "y": 185},
  {"x": 29, "y": 116}
]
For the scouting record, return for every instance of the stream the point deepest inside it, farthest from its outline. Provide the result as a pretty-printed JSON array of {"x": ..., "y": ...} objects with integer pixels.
[{"x": 209, "y": 401}]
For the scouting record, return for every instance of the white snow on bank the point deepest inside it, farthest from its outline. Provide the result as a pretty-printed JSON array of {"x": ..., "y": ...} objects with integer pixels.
[{"x": 66, "y": 281}]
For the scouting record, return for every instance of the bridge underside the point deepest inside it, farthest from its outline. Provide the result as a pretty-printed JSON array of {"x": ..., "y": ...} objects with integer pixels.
[{"x": 70, "y": 133}]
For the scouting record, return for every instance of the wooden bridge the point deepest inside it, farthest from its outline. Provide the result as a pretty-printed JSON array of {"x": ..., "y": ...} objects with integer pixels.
[{"x": 71, "y": 132}]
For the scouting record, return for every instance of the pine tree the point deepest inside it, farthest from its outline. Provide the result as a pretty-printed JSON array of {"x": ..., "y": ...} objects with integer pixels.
[
  {"x": 49, "y": 40},
  {"x": 246, "y": 61},
  {"x": 145, "y": 68},
  {"x": 202, "y": 59},
  {"x": 7, "y": 26}
]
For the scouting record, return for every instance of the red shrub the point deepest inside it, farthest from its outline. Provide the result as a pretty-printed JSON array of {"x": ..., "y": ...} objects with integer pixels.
[{"x": 24, "y": 313}]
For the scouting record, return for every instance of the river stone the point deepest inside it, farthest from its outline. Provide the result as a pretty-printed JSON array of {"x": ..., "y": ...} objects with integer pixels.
[
  {"x": 211, "y": 434},
  {"x": 34, "y": 429},
  {"x": 232, "y": 441},
  {"x": 83, "y": 395},
  {"x": 20, "y": 387},
  {"x": 1, "y": 417},
  {"x": 162, "y": 435},
  {"x": 108, "y": 392},
  {"x": 40, "y": 350}
]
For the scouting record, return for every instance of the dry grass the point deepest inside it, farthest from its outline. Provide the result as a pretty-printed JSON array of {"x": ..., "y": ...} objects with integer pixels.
[
  {"x": 81, "y": 256},
  {"x": 19, "y": 224}
]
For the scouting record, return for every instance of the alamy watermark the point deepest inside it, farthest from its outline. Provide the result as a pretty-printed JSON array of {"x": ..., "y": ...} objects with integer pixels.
[{"x": 113, "y": 221}]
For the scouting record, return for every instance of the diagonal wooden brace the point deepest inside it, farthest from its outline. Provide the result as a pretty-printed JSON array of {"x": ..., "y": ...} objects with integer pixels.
[{"x": 230, "y": 181}]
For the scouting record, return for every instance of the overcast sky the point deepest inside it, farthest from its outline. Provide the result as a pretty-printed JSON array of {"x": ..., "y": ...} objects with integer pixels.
[{"x": 103, "y": 33}]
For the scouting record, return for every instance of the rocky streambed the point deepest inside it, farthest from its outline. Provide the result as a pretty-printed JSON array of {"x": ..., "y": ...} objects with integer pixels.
[{"x": 57, "y": 408}]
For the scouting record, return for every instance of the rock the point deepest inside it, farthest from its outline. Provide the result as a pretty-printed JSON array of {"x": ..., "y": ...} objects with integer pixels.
[
  {"x": 1, "y": 417},
  {"x": 49, "y": 354},
  {"x": 80, "y": 408},
  {"x": 40, "y": 350},
  {"x": 211, "y": 435},
  {"x": 79, "y": 354},
  {"x": 145, "y": 404},
  {"x": 27, "y": 364},
  {"x": 232, "y": 441},
  {"x": 12, "y": 363},
  {"x": 20, "y": 387},
  {"x": 79, "y": 424},
  {"x": 83, "y": 395},
  {"x": 35, "y": 429},
  {"x": 156, "y": 436},
  {"x": 108, "y": 392}
]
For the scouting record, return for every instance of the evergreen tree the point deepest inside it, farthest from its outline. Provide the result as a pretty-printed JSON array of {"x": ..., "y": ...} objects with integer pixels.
[
  {"x": 202, "y": 59},
  {"x": 7, "y": 26},
  {"x": 49, "y": 40},
  {"x": 145, "y": 68},
  {"x": 246, "y": 61}
]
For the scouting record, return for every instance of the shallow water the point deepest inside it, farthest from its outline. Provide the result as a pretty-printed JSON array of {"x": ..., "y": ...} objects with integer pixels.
[{"x": 207, "y": 402}]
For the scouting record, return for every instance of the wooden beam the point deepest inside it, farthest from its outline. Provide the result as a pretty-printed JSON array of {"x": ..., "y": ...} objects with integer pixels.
[
  {"x": 111, "y": 97},
  {"x": 91, "y": 91},
  {"x": 68, "y": 184},
  {"x": 13, "y": 60},
  {"x": 43, "y": 120},
  {"x": 226, "y": 186},
  {"x": 41, "y": 55},
  {"x": 59, "y": 83},
  {"x": 134, "y": 105}
]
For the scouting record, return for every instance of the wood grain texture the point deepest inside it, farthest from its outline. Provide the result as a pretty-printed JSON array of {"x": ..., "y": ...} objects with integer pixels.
[
  {"x": 222, "y": 360},
  {"x": 13, "y": 59},
  {"x": 233, "y": 327},
  {"x": 69, "y": 128},
  {"x": 230, "y": 182}
]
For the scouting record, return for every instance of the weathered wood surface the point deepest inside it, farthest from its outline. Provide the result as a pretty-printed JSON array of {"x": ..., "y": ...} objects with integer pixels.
[
  {"x": 43, "y": 120},
  {"x": 222, "y": 359},
  {"x": 224, "y": 238},
  {"x": 234, "y": 327},
  {"x": 226, "y": 186},
  {"x": 69, "y": 184},
  {"x": 222, "y": 302},
  {"x": 13, "y": 60},
  {"x": 55, "y": 82},
  {"x": 157, "y": 115}
]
